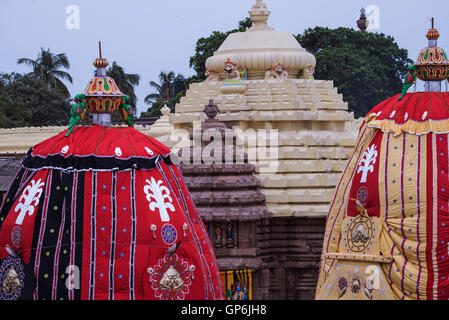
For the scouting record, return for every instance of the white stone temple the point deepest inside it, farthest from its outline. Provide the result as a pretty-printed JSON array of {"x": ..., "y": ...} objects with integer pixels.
[{"x": 307, "y": 119}]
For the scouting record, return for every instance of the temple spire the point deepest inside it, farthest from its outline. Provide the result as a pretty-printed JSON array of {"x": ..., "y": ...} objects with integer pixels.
[{"x": 259, "y": 14}]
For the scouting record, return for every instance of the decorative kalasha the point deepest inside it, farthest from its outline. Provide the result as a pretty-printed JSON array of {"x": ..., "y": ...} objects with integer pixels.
[
  {"x": 102, "y": 93},
  {"x": 102, "y": 96},
  {"x": 99, "y": 205},
  {"x": 432, "y": 63},
  {"x": 230, "y": 70},
  {"x": 278, "y": 71},
  {"x": 387, "y": 229}
]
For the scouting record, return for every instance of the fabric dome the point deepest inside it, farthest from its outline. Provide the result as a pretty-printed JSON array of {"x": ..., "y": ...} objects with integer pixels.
[
  {"x": 387, "y": 229},
  {"x": 109, "y": 202},
  {"x": 101, "y": 213}
]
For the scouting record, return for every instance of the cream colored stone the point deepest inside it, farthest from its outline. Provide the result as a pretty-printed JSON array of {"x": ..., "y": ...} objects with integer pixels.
[
  {"x": 259, "y": 48},
  {"x": 298, "y": 195},
  {"x": 314, "y": 132},
  {"x": 161, "y": 128}
]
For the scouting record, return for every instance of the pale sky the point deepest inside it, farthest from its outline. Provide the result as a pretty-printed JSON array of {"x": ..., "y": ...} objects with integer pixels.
[{"x": 148, "y": 36}]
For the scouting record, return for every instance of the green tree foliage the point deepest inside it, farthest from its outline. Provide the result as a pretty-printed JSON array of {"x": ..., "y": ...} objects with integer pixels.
[
  {"x": 164, "y": 89},
  {"x": 47, "y": 68},
  {"x": 165, "y": 94},
  {"x": 205, "y": 48},
  {"x": 27, "y": 101},
  {"x": 13, "y": 112},
  {"x": 366, "y": 67},
  {"x": 155, "y": 109},
  {"x": 126, "y": 82}
]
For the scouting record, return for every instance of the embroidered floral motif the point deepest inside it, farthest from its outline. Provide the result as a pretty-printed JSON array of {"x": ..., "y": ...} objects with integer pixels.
[
  {"x": 169, "y": 234},
  {"x": 171, "y": 278},
  {"x": 367, "y": 163},
  {"x": 29, "y": 200},
  {"x": 356, "y": 285},
  {"x": 342, "y": 287},
  {"x": 159, "y": 193},
  {"x": 369, "y": 288},
  {"x": 16, "y": 236},
  {"x": 362, "y": 195}
]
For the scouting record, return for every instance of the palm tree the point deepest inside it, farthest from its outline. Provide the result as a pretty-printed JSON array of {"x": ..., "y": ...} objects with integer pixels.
[
  {"x": 47, "y": 68},
  {"x": 125, "y": 81},
  {"x": 165, "y": 88}
]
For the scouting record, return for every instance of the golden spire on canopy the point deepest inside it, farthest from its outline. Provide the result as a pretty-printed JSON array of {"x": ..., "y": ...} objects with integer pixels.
[
  {"x": 433, "y": 33},
  {"x": 100, "y": 63},
  {"x": 432, "y": 63}
]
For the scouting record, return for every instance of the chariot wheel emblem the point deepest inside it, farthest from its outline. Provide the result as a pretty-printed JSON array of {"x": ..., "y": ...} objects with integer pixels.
[{"x": 359, "y": 234}]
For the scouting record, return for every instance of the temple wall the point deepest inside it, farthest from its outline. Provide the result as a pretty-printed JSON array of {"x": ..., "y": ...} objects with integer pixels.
[{"x": 291, "y": 250}]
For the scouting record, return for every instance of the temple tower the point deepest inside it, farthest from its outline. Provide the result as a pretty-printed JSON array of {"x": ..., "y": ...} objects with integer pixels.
[{"x": 293, "y": 129}]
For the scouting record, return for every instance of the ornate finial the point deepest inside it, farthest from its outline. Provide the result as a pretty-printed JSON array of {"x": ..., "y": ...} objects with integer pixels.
[
  {"x": 363, "y": 22},
  {"x": 101, "y": 97},
  {"x": 433, "y": 33},
  {"x": 259, "y": 16},
  {"x": 432, "y": 64},
  {"x": 211, "y": 110},
  {"x": 100, "y": 63}
]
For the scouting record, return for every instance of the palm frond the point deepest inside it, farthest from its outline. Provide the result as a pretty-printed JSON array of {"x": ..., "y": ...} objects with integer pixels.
[
  {"x": 63, "y": 75},
  {"x": 61, "y": 88},
  {"x": 155, "y": 85},
  {"x": 27, "y": 61}
]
